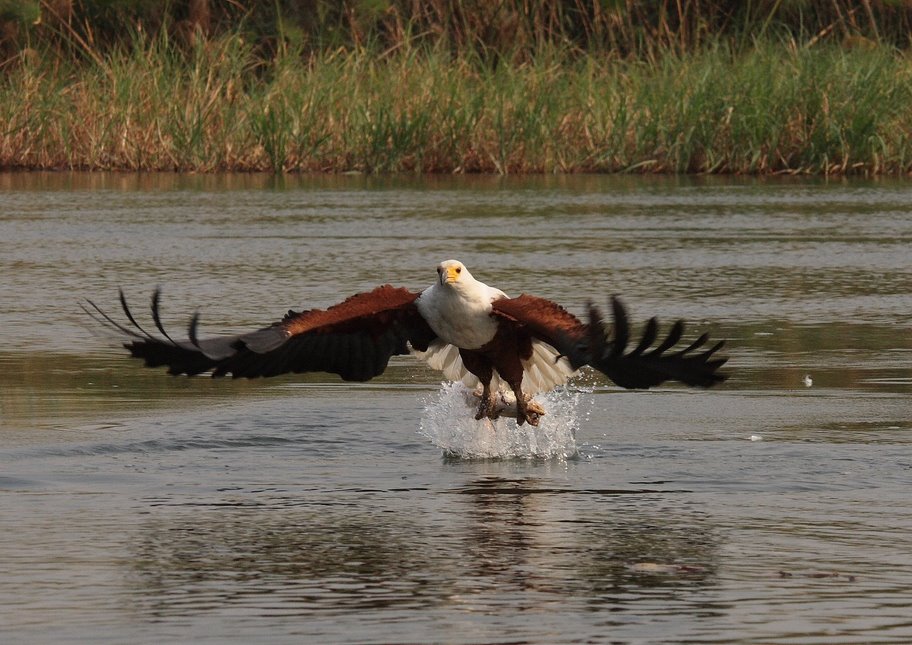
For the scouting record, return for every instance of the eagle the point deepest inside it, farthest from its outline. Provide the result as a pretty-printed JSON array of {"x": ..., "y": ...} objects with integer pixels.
[{"x": 470, "y": 331}]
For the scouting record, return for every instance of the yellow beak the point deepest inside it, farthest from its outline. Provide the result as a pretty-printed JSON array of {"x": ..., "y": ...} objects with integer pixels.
[{"x": 452, "y": 274}]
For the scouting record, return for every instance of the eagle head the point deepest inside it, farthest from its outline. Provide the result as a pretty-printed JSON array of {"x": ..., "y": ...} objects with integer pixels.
[{"x": 451, "y": 272}]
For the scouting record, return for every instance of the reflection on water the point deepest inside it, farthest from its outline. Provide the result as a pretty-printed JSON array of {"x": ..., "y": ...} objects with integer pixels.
[
  {"x": 320, "y": 558},
  {"x": 515, "y": 542},
  {"x": 303, "y": 509},
  {"x": 532, "y": 535}
]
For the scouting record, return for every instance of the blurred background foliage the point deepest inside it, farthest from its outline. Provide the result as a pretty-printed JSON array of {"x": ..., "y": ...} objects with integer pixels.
[
  {"x": 505, "y": 86},
  {"x": 489, "y": 28}
]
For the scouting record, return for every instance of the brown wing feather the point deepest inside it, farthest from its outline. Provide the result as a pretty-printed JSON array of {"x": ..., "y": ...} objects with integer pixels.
[
  {"x": 354, "y": 339},
  {"x": 543, "y": 318},
  {"x": 379, "y": 306},
  {"x": 605, "y": 347}
]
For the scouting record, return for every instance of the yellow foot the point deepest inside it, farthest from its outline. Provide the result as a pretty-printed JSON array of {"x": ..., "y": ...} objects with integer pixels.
[
  {"x": 487, "y": 409},
  {"x": 530, "y": 411},
  {"x": 504, "y": 404}
]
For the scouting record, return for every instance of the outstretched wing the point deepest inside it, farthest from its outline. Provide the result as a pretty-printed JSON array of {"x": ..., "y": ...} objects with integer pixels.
[
  {"x": 605, "y": 347},
  {"x": 645, "y": 366},
  {"x": 354, "y": 339}
]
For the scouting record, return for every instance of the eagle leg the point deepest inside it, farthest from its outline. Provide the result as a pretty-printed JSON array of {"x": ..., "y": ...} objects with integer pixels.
[
  {"x": 527, "y": 410},
  {"x": 488, "y": 406}
]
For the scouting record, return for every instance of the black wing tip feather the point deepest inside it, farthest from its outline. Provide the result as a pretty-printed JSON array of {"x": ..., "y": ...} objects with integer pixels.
[
  {"x": 643, "y": 366},
  {"x": 192, "y": 330},
  {"x": 154, "y": 351},
  {"x": 156, "y": 313}
]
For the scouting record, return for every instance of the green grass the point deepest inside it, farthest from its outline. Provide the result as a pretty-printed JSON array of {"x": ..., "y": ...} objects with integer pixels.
[{"x": 772, "y": 108}]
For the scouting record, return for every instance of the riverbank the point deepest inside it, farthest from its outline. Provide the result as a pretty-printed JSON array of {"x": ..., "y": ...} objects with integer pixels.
[{"x": 775, "y": 107}]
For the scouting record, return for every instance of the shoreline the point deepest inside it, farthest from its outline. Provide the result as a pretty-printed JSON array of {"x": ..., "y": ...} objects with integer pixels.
[{"x": 768, "y": 111}]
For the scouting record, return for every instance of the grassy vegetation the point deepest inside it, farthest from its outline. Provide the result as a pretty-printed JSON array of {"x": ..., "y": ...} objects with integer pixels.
[{"x": 772, "y": 103}]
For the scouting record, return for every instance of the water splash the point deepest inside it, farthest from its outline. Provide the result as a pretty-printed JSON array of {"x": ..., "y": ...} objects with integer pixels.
[{"x": 448, "y": 421}]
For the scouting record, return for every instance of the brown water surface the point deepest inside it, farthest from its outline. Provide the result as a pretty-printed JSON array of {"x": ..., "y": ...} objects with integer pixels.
[{"x": 141, "y": 508}]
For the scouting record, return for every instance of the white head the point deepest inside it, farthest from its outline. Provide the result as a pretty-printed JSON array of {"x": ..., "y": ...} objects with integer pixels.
[{"x": 453, "y": 272}]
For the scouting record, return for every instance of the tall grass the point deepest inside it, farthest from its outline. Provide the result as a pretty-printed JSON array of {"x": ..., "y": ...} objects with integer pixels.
[
  {"x": 505, "y": 28},
  {"x": 774, "y": 107}
]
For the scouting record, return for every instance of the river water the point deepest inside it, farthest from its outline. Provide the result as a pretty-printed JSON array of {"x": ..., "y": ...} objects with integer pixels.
[{"x": 142, "y": 508}]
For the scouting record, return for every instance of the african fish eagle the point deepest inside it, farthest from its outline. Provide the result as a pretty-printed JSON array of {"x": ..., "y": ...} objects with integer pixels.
[{"x": 459, "y": 325}]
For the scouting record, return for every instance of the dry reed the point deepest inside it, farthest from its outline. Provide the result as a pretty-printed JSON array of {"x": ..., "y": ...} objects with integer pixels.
[{"x": 775, "y": 107}]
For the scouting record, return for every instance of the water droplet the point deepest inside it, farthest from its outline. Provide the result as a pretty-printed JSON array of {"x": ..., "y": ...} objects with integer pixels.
[{"x": 449, "y": 422}]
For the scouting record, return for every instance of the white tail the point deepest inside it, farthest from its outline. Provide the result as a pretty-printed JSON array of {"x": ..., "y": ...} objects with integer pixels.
[{"x": 544, "y": 370}]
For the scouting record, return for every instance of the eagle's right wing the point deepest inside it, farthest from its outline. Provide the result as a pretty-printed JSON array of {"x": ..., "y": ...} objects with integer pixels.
[{"x": 354, "y": 339}]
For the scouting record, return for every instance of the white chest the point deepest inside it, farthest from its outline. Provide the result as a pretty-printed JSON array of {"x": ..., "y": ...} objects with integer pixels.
[{"x": 464, "y": 322}]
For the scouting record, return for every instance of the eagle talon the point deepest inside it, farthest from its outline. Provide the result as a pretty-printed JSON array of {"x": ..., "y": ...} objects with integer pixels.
[
  {"x": 493, "y": 415},
  {"x": 487, "y": 409},
  {"x": 529, "y": 411}
]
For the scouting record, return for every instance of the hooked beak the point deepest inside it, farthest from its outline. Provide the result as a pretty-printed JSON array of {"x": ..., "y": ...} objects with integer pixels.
[{"x": 447, "y": 275}]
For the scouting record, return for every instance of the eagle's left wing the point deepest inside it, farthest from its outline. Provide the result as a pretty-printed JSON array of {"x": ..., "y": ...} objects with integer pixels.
[{"x": 605, "y": 347}]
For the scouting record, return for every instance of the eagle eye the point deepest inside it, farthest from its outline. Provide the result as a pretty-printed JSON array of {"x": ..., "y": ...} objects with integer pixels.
[{"x": 458, "y": 269}]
